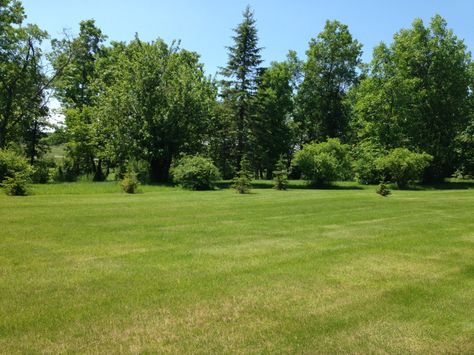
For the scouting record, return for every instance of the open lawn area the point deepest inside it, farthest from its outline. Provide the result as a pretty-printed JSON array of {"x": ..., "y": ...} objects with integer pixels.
[{"x": 86, "y": 268}]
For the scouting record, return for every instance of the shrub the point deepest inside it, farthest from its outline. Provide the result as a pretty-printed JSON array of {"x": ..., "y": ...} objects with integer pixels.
[
  {"x": 403, "y": 166},
  {"x": 280, "y": 175},
  {"x": 365, "y": 164},
  {"x": 16, "y": 184},
  {"x": 321, "y": 163},
  {"x": 242, "y": 182},
  {"x": 195, "y": 173},
  {"x": 383, "y": 190},
  {"x": 130, "y": 182},
  {"x": 42, "y": 171},
  {"x": 12, "y": 163}
]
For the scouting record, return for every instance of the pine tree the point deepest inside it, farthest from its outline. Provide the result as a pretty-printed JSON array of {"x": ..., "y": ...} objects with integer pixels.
[
  {"x": 239, "y": 85},
  {"x": 242, "y": 182},
  {"x": 280, "y": 175}
]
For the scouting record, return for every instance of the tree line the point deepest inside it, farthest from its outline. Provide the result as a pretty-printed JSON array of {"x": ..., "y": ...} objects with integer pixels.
[{"x": 147, "y": 104}]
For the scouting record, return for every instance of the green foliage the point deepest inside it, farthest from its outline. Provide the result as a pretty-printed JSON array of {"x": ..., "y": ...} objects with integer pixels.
[
  {"x": 23, "y": 83},
  {"x": 403, "y": 166},
  {"x": 242, "y": 183},
  {"x": 130, "y": 182},
  {"x": 365, "y": 166},
  {"x": 140, "y": 167},
  {"x": 12, "y": 163},
  {"x": 65, "y": 171},
  {"x": 416, "y": 95},
  {"x": 156, "y": 104},
  {"x": 321, "y": 163},
  {"x": 272, "y": 133},
  {"x": 195, "y": 173},
  {"x": 464, "y": 148},
  {"x": 240, "y": 83},
  {"x": 383, "y": 190},
  {"x": 330, "y": 70},
  {"x": 77, "y": 88},
  {"x": 280, "y": 175},
  {"x": 42, "y": 170},
  {"x": 16, "y": 184}
]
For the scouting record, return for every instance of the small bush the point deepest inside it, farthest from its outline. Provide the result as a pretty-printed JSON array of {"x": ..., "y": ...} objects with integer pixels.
[
  {"x": 195, "y": 173},
  {"x": 16, "y": 185},
  {"x": 322, "y": 163},
  {"x": 242, "y": 183},
  {"x": 280, "y": 175},
  {"x": 130, "y": 182},
  {"x": 383, "y": 190},
  {"x": 365, "y": 166},
  {"x": 12, "y": 163},
  {"x": 403, "y": 166}
]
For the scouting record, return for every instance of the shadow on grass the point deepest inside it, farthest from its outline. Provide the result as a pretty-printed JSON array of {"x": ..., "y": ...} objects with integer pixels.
[
  {"x": 265, "y": 184},
  {"x": 300, "y": 185},
  {"x": 445, "y": 185}
]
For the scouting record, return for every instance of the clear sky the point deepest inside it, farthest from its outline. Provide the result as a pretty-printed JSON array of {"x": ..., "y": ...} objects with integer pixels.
[{"x": 205, "y": 26}]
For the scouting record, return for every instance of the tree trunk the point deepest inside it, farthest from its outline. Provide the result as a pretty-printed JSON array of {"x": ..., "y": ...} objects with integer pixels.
[
  {"x": 99, "y": 174},
  {"x": 159, "y": 169}
]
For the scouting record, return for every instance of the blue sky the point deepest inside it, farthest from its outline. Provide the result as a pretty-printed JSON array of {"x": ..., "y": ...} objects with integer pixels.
[{"x": 206, "y": 26}]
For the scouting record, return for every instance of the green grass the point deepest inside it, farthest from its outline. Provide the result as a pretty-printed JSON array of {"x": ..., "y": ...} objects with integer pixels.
[{"x": 85, "y": 268}]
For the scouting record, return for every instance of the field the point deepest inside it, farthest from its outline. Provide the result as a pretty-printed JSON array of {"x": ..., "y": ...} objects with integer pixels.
[{"x": 86, "y": 268}]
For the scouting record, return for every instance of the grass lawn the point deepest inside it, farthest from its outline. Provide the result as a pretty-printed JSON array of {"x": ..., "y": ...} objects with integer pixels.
[{"x": 85, "y": 268}]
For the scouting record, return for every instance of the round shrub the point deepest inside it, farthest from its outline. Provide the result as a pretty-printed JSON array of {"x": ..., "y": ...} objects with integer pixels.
[
  {"x": 12, "y": 163},
  {"x": 403, "y": 166},
  {"x": 321, "y": 163},
  {"x": 16, "y": 185},
  {"x": 195, "y": 173},
  {"x": 130, "y": 182}
]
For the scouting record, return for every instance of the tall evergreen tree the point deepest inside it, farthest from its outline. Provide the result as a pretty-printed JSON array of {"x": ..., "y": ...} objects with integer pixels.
[
  {"x": 330, "y": 70},
  {"x": 240, "y": 83}
]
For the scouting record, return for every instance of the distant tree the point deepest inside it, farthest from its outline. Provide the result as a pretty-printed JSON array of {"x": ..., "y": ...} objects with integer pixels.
[
  {"x": 272, "y": 133},
  {"x": 329, "y": 72},
  {"x": 221, "y": 139},
  {"x": 416, "y": 94},
  {"x": 23, "y": 83},
  {"x": 240, "y": 83},
  {"x": 464, "y": 148},
  {"x": 464, "y": 141},
  {"x": 77, "y": 92},
  {"x": 156, "y": 104}
]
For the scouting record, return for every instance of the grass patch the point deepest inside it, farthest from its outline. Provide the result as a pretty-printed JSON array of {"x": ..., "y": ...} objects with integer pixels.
[{"x": 86, "y": 268}]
